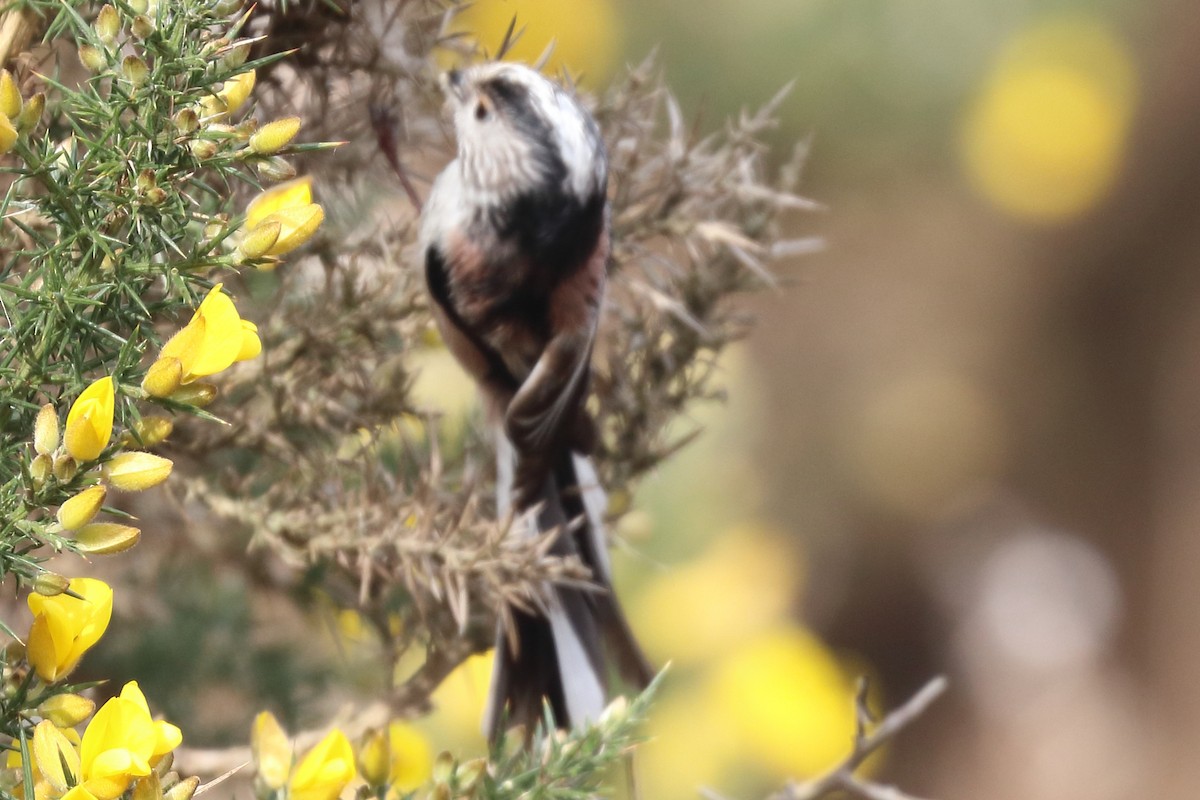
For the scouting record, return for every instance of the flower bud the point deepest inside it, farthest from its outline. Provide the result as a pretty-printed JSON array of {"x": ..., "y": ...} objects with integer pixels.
[
  {"x": 66, "y": 710},
  {"x": 139, "y": 6},
  {"x": 146, "y": 181},
  {"x": 10, "y": 96},
  {"x": 49, "y": 584},
  {"x": 274, "y": 136},
  {"x": 469, "y": 774},
  {"x": 226, "y": 7},
  {"x": 196, "y": 394},
  {"x": 212, "y": 107},
  {"x": 276, "y": 169},
  {"x": 148, "y": 431},
  {"x": 108, "y": 25},
  {"x": 162, "y": 767},
  {"x": 148, "y": 787},
  {"x": 142, "y": 26},
  {"x": 82, "y": 508},
  {"x": 615, "y": 711},
  {"x": 374, "y": 758},
  {"x": 236, "y": 56},
  {"x": 203, "y": 149},
  {"x": 65, "y": 467},
  {"x": 31, "y": 114},
  {"x": 183, "y": 790},
  {"x": 91, "y": 58},
  {"x": 45, "y": 431},
  {"x": 215, "y": 227},
  {"x": 257, "y": 242},
  {"x": 186, "y": 121},
  {"x": 135, "y": 70},
  {"x": 155, "y": 197},
  {"x": 8, "y": 135},
  {"x": 106, "y": 538},
  {"x": 443, "y": 767},
  {"x": 137, "y": 470},
  {"x": 40, "y": 469},
  {"x": 163, "y": 377}
]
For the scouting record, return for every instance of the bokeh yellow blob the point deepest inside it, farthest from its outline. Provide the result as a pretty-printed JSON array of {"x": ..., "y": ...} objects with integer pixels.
[
  {"x": 743, "y": 583},
  {"x": 458, "y": 703},
  {"x": 788, "y": 700},
  {"x": 586, "y": 33},
  {"x": 1043, "y": 139}
]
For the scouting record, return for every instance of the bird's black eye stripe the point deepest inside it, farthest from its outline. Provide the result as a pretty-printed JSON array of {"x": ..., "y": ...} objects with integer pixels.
[{"x": 511, "y": 95}]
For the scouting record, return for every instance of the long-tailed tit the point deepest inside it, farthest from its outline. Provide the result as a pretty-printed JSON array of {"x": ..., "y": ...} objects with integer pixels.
[{"x": 515, "y": 236}]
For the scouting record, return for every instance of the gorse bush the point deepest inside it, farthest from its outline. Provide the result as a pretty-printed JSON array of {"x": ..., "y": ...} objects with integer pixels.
[{"x": 149, "y": 175}]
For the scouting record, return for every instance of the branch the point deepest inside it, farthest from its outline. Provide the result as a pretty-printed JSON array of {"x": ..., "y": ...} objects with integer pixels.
[{"x": 841, "y": 778}]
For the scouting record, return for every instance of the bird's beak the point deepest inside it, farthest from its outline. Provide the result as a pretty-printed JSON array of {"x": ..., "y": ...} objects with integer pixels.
[{"x": 454, "y": 86}]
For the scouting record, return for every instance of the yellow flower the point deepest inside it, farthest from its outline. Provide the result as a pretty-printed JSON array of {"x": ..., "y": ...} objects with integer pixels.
[
  {"x": 272, "y": 751},
  {"x": 10, "y": 96},
  {"x": 137, "y": 470},
  {"x": 325, "y": 771},
  {"x": 80, "y": 509},
  {"x": 65, "y": 627},
  {"x": 121, "y": 743},
  {"x": 290, "y": 204},
  {"x": 374, "y": 758},
  {"x": 411, "y": 762},
  {"x": 236, "y": 91},
  {"x": 106, "y": 538},
  {"x": 149, "y": 431},
  {"x": 56, "y": 758},
  {"x": 90, "y": 421},
  {"x": 213, "y": 340}
]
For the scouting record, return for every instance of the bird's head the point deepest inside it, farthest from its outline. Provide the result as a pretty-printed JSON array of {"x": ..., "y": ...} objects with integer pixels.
[{"x": 519, "y": 132}]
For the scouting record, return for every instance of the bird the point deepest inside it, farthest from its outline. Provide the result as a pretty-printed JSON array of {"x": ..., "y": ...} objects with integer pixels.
[{"x": 515, "y": 236}]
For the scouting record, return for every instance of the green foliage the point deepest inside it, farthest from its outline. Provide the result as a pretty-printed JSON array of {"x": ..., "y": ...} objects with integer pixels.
[{"x": 115, "y": 213}]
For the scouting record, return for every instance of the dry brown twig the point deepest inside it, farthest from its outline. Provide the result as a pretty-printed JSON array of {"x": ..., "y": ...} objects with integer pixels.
[{"x": 868, "y": 738}]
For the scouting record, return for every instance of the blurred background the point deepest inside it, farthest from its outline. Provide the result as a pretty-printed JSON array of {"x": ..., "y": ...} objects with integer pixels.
[{"x": 963, "y": 439}]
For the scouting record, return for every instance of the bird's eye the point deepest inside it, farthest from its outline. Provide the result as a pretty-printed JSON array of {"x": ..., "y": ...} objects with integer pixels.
[{"x": 481, "y": 111}]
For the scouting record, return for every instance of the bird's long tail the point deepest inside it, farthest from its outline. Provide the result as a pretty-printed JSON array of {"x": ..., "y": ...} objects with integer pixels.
[{"x": 562, "y": 656}]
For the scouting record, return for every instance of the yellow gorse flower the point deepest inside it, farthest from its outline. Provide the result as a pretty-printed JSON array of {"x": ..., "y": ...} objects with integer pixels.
[
  {"x": 121, "y": 743},
  {"x": 272, "y": 751},
  {"x": 10, "y": 96},
  {"x": 82, "y": 508},
  {"x": 214, "y": 339},
  {"x": 65, "y": 627},
  {"x": 289, "y": 204},
  {"x": 90, "y": 421},
  {"x": 137, "y": 470},
  {"x": 325, "y": 771}
]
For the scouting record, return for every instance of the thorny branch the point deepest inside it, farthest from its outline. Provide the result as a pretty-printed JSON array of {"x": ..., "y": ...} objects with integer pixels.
[{"x": 328, "y": 457}]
